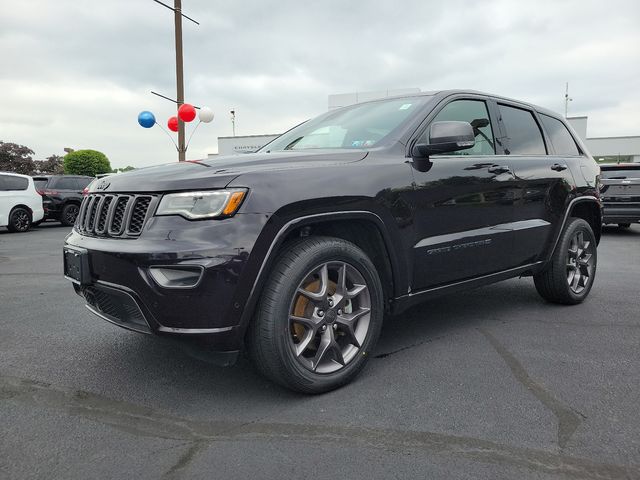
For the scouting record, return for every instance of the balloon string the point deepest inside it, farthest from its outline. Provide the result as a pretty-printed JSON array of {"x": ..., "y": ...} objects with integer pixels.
[
  {"x": 194, "y": 131},
  {"x": 170, "y": 137}
]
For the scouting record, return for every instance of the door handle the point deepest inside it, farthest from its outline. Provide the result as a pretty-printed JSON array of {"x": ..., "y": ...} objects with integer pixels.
[
  {"x": 498, "y": 169},
  {"x": 558, "y": 168}
]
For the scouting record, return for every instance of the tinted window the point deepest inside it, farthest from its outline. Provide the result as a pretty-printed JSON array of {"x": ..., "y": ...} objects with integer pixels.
[
  {"x": 40, "y": 183},
  {"x": 9, "y": 182},
  {"x": 66, "y": 183},
  {"x": 475, "y": 112},
  {"x": 523, "y": 132},
  {"x": 620, "y": 173},
  {"x": 84, "y": 181},
  {"x": 561, "y": 139}
]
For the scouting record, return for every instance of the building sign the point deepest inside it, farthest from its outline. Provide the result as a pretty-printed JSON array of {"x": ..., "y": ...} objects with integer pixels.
[{"x": 245, "y": 144}]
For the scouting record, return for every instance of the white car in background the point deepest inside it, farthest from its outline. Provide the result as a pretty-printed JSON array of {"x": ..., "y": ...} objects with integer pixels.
[{"x": 20, "y": 203}]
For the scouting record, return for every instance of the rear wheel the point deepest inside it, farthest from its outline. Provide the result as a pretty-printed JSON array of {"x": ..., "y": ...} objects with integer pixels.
[
  {"x": 319, "y": 316},
  {"x": 19, "y": 220},
  {"x": 69, "y": 214},
  {"x": 570, "y": 274}
]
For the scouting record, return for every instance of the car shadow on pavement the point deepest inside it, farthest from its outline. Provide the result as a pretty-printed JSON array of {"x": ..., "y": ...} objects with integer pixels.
[
  {"x": 633, "y": 231},
  {"x": 184, "y": 373}
]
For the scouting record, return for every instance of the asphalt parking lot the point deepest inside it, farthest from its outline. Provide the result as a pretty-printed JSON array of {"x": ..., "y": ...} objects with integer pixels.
[{"x": 491, "y": 384}]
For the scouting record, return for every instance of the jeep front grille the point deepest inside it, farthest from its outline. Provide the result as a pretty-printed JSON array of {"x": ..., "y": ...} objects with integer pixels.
[{"x": 114, "y": 215}]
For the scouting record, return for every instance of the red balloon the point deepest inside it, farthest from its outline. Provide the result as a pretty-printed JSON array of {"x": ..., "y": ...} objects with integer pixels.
[
  {"x": 186, "y": 112},
  {"x": 172, "y": 123}
]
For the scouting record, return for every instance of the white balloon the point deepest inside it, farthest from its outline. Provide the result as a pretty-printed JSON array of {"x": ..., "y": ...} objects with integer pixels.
[{"x": 205, "y": 114}]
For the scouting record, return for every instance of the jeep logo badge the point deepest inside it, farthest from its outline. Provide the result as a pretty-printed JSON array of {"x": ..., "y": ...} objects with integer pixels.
[{"x": 102, "y": 185}]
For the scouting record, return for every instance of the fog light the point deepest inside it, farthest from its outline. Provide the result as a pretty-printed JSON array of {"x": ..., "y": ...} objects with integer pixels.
[{"x": 184, "y": 276}]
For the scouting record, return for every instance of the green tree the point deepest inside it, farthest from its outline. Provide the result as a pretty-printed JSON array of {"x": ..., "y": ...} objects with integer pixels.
[
  {"x": 86, "y": 162},
  {"x": 16, "y": 158}
]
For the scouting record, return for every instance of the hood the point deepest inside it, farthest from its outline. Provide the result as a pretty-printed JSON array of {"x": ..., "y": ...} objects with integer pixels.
[{"x": 220, "y": 171}]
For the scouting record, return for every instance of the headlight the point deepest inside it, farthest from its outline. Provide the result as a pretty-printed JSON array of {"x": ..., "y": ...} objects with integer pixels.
[{"x": 197, "y": 205}]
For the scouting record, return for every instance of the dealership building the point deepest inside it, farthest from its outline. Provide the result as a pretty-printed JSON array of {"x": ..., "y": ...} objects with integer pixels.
[{"x": 603, "y": 149}]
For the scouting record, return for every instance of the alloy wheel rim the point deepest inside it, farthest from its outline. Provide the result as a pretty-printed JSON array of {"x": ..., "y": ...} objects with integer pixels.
[
  {"x": 329, "y": 317},
  {"x": 72, "y": 213},
  {"x": 580, "y": 263},
  {"x": 21, "y": 220}
]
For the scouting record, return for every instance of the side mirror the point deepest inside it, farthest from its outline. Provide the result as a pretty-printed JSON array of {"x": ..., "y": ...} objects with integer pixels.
[{"x": 446, "y": 137}]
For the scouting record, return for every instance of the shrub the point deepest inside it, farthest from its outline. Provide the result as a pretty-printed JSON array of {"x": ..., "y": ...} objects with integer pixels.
[{"x": 86, "y": 162}]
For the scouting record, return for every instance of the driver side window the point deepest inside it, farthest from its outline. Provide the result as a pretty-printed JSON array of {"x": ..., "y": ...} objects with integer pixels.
[{"x": 475, "y": 112}]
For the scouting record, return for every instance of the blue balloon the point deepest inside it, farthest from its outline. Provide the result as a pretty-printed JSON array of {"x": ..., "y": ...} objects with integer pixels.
[{"x": 146, "y": 119}]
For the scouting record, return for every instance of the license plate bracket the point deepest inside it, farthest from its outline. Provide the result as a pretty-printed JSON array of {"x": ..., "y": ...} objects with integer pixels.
[{"x": 76, "y": 265}]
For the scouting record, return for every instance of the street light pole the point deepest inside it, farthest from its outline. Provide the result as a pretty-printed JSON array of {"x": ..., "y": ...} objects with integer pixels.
[
  {"x": 177, "y": 9},
  {"x": 567, "y": 99}
]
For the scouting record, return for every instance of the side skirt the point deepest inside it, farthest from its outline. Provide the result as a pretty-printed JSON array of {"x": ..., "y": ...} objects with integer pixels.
[{"x": 406, "y": 301}]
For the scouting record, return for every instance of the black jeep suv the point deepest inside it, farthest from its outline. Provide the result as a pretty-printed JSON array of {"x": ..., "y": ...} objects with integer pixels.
[
  {"x": 61, "y": 196},
  {"x": 295, "y": 253},
  {"x": 621, "y": 193}
]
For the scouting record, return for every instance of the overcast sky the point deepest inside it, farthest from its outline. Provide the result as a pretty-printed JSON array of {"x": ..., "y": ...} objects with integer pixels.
[{"x": 75, "y": 73}]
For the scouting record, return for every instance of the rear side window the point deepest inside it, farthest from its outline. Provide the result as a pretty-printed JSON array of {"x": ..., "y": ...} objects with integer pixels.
[
  {"x": 523, "y": 132},
  {"x": 561, "y": 139},
  {"x": 40, "y": 183},
  {"x": 66, "y": 183},
  {"x": 9, "y": 183},
  {"x": 83, "y": 182}
]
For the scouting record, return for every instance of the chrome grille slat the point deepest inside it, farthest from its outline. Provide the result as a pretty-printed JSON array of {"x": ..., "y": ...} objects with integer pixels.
[
  {"x": 138, "y": 214},
  {"x": 104, "y": 212},
  {"x": 114, "y": 215}
]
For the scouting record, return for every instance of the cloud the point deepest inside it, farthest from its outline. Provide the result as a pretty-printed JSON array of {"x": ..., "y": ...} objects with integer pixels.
[{"x": 75, "y": 74}]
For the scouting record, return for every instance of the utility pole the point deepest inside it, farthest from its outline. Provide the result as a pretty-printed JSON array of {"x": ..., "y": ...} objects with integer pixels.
[
  {"x": 177, "y": 11},
  {"x": 567, "y": 99},
  {"x": 233, "y": 121}
]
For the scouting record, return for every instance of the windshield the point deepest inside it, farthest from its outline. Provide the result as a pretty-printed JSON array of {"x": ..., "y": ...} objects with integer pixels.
[
  {"x": 358, "y": 126},
  {"x": 620, "y": 173}
]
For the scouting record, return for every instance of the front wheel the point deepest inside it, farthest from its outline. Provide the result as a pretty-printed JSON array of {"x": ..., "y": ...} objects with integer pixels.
[
  {"x": 319, "y": 316},
  {"x": 19, "y": 220},
  {"x": 572, "y": 269}
]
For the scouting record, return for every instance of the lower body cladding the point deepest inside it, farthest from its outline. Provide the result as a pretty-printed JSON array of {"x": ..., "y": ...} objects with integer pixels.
[{"x": 178, "y": 279}]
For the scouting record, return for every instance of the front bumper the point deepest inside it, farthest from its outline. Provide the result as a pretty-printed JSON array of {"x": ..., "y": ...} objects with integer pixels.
[{"x": 120, "y": 288}]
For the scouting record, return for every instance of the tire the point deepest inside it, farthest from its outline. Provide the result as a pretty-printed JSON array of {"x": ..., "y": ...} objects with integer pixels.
[
  {"x": 19, "y": 220},
  {"x": 624, "y": 225},
  {"x": 317, "y": 352},
  {"x": 570, "y": 274},
  {"x": 69, "y": 214}
]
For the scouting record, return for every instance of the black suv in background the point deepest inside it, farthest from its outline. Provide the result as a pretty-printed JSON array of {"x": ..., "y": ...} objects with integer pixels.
[
  {"x": 621, "y": 193},
  {"x": 61, "y": 196},
  {"x": 297, "y": 252}
]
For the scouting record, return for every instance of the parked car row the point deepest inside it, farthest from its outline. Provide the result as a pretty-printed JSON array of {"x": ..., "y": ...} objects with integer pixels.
[
  {"x": 62, "y": 196},
  {"x": 27, "y": 201},
  {"x": 20, "y": 203}
]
